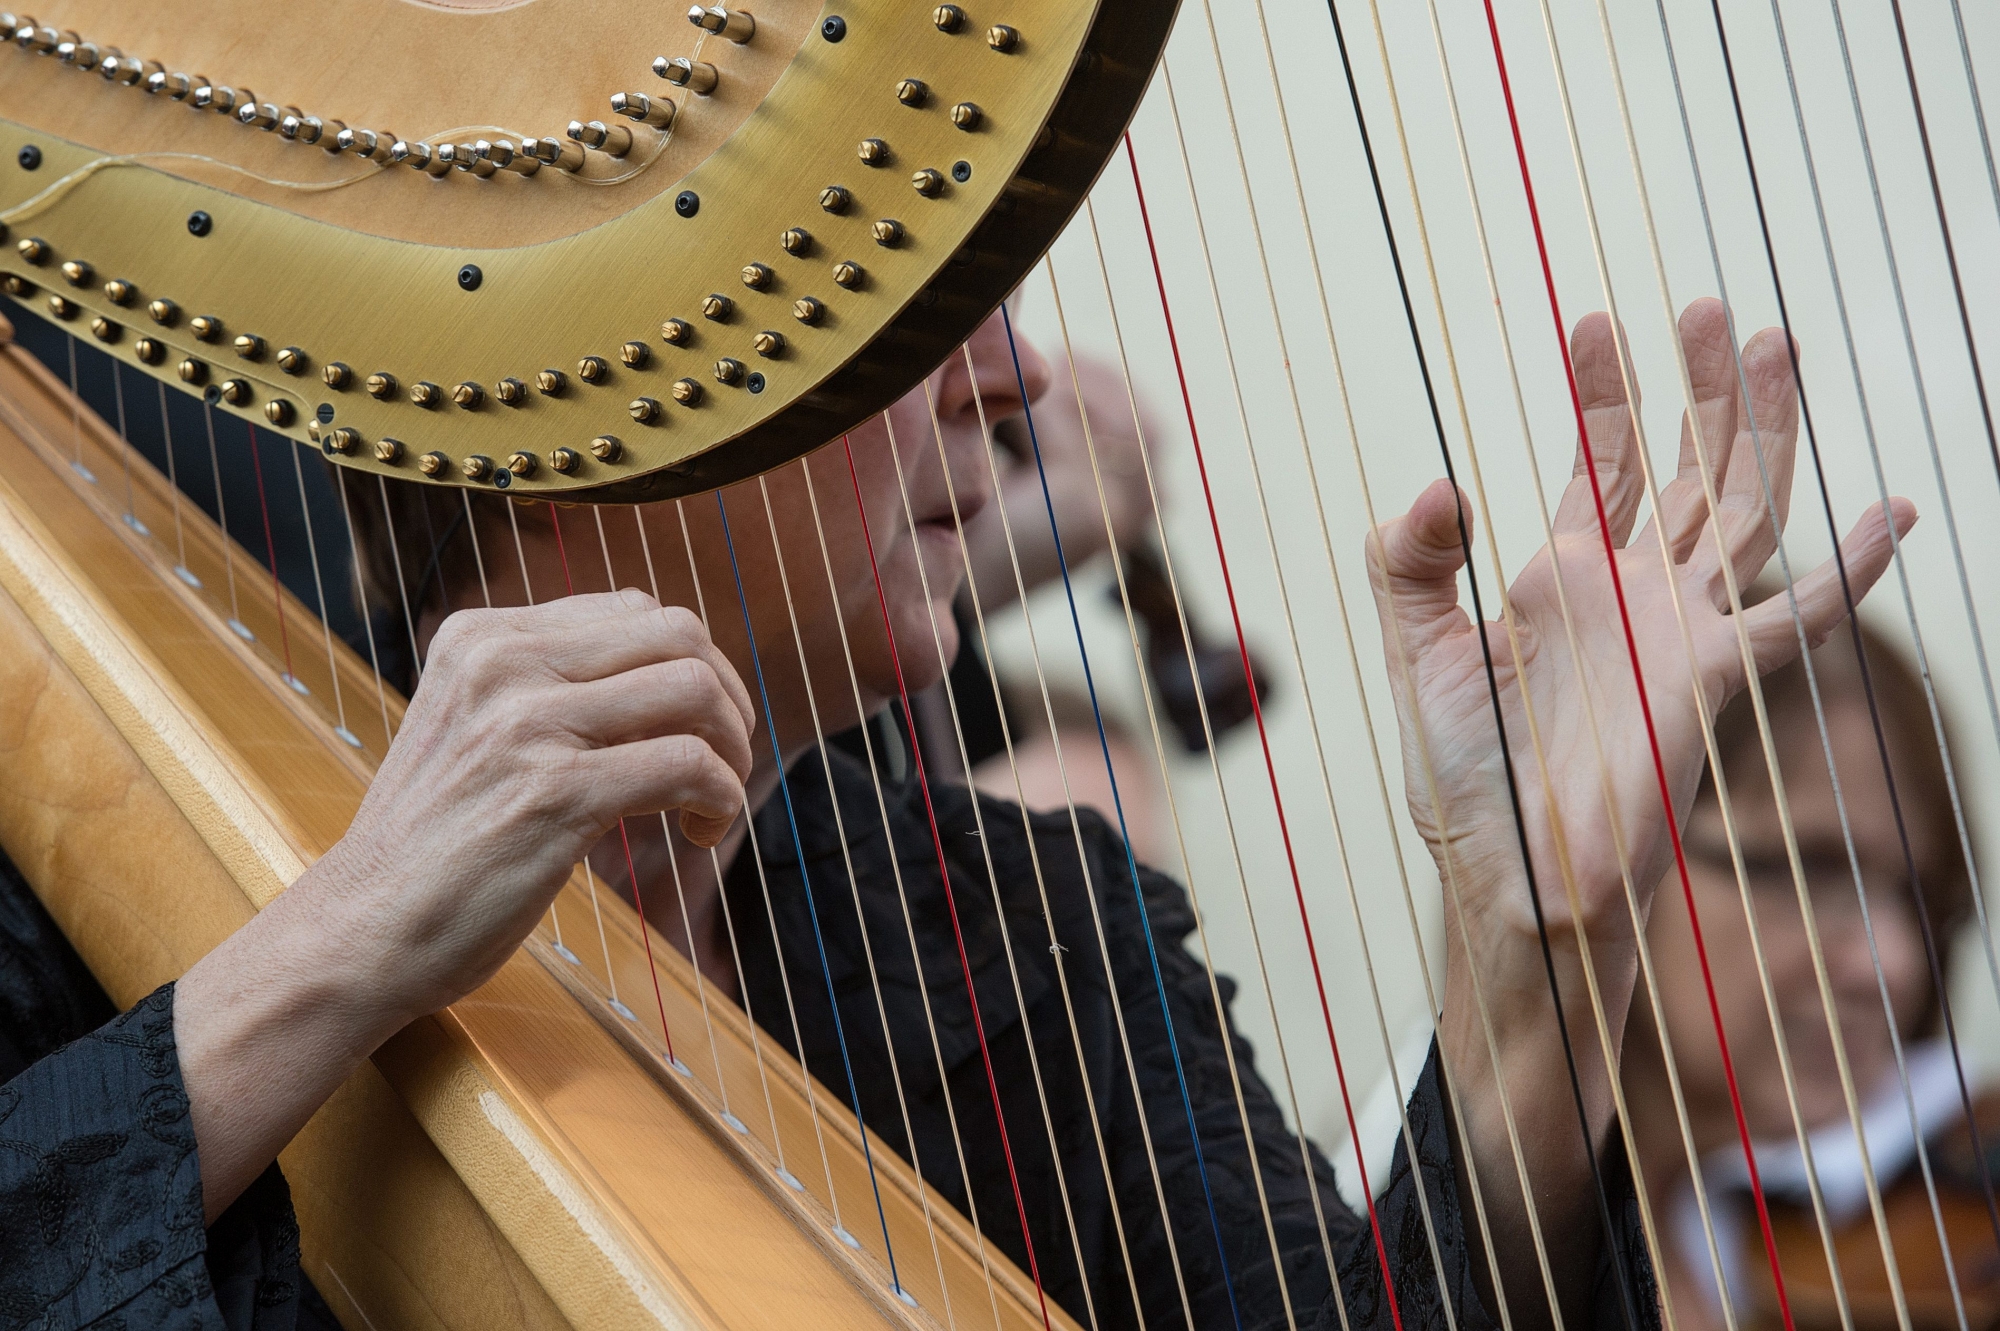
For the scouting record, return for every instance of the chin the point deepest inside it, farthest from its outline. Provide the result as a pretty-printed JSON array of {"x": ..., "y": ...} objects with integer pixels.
[{"x": 920, "y": 649}]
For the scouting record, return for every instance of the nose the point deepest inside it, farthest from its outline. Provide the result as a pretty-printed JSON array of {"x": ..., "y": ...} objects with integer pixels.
[{"x": 1008, "y": 374}]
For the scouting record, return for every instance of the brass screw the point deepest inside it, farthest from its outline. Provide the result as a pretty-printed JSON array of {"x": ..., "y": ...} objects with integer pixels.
[
  {"x": 477, "y": 467},
  {"x": 888, "y": 232},
  {"x": 797, "y": 240},
  {"x": 677, "y": 332},
  {"x": 835, "y": 198},
  {"x": 235, "y": 392},
  {"x": 967, "y": 115},
  {"x": 593, "y": 369},
  {"x": 192, "y": 371},
  {"x": 913, "y": 92},
  {"x": 104, "y": 330},
  {"x": 949, "y": 18},
  {"x": 645, "y": 410},
  {"x": 15, "y": 285},
  {"x": 312, "y": 430},
  {"x": 756, "y": 276},
  {"x": 1002, "y": 38},
  {"x": 697, "y": 76},
  {"x": 807, "y": 310},
  {"x": 164, "y": 312},
  {"x": 34, "y": 250},
  {"x": 389, "y": 451},
  {"x": 381, "y": 385},
  {"x": 346, "y": 440},
  {"x": 119, "y": 292},
  {"x": 729, "y": 370},
  {"x": 848, "y": 274},
  {"x": 336, "y": 375},
  {"x": 928, "y": 182},
  {"x": 433, "y": 464},
  {"x": 61, "y": 308},
  {"x": 606, "y": 448},
  {"x": 511, "y": 392},
  {"x": 426, "y": 394},
  {"x": 874, "y": 152},
  {"x": 687, "y": 392},
  {"x": 521, "y": 464},
  {"x": 635, "y": 354},
  {"x": 249, "y": 346},
  {"x": 655, "y": 111},
  {"x": 565, "y": 460},
  {"x": 278, "y": 412},
  {"x": 551, "y": 383},
  {"x": 468, "y": 395},
  {"x": 293, "y": 360},
  {"x": 769, "y": 343},
  {"x": 149, "y": 350},
  {"x": 206, "y": 327},
  {"x": 77, "y": 273},
  {"x": 717, "y": 307}
]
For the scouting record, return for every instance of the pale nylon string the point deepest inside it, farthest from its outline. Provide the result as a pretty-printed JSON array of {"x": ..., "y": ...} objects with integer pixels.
[
  {"x": 181, "y": 569},
  {"x": 76, "y": 417},
  {"x": 1978, "y": 110},
  {"x": 1450, "y": 874},
  {"x": 402, "y": 580},
  {"x": 236, "y": 624},
  {"x": 347, "y": 736},
  {"x": 361, "y": 598},
  {"x": 528, "y": 594},
  {"x": 1070, "y": 808},
  {"x": 131, "y": 516},
  {"x": 1180, "y": 837},
  {"x": 853, "y": 883},
  {"x": 1097, "y": 924}
]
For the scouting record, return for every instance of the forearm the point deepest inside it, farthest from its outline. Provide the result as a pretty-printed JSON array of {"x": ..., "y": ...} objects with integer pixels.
[
  {"x": 1523, "y": 1118},
  {"x": 271, "y": 1022}
]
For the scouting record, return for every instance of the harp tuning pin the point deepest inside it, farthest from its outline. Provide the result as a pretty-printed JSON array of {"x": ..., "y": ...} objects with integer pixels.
[
  {"x": 236, "y": 392},
  {"x": 888, "y": 233},
  {"x": 655, "y": 111},
  {"x": 77, "y": 273},
  {"x": 729, "y": 370},
  {"x": 732, "y": 24},
  {"x": 835, "y": 198},
  {"x": 206, "y": 327},
  {"x": 611, "y": 140},
  {"x": 470, "y": 158},
  {"x": 913, "y": 92},
  {"x": 522, "y": 465},
  {"x": 41, "y": 40},
  {"x": 279, "y": 412},
  {"x": 502, "y": 155},
  {"x": 329, "y": 135},
  {"x": 220, "y": 98},
  {"x": 433, "y": 464},
  {"x": 928, "y": 182},
  {"x": 293, "y": 360},
  {"x": 1002, "y": 38},
  {"x": 874, "y": 152},
  {"x": 797, "y": 240},
  {"x": 562, "y": 154},
  {"x": 164, "y": 312},
  {"x": 259, "y": 115},
  {"x": 676, "y": 332},
  {"x": 511, "y": 392},
  {"x": 565, "y": 460},
  {"x": 33, "y": 249},
  {"x": 808, "y": 310},
  {"x": 635, "y": 354},
  {"x": 468, "y": 395},
  {"x": 125, "y": 70},
  {"x": 686, "y": 392},
  {"x": 364, "y": 143},
  {"x": 769, "y": 344},
  {"x": 381, "y": 385},
  {"x": 120, "y": 292},
  {"x": 426, "y": 394},
  {"x": 420, "y": 157},
  {"x": 967, "y": 115},
  {"x": 149, "y": 350},
  {"x": 387, "y": 451},
  {"x": 336, "y": 375},
  {"x": 477, "y": 467},
  {"x": 551, "y": 383},
  {"x": 104, "y": 330},
  {"x": 849, "y": 274},
  {"x": 249, "y": 346},
  {"x": 593, "y": 369},
  {"x": 948, "y": 18},
  {"x": 756, "y": 276},
  {"x": 645, "y": 410},
  {"x": 697, "y": 76}
]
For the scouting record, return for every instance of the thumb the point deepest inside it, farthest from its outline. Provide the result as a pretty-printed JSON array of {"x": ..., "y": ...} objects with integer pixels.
[{"x": 1413, "y": 564}]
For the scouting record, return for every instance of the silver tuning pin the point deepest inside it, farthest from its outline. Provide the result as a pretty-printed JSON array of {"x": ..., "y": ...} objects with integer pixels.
[
  {"x": 733, "y": 24},
  {"x": 562, "y": 154},
  {"x": 419, "y": 156},
  {"x": 611, "y": 140},
  {"x": 655, "y": 111},
  {"x": 697, "y": 76},
  {"x": 504, "y": 154}
]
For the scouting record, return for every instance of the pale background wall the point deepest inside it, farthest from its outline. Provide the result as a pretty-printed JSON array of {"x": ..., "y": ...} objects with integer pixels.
[{"x": 1395, "y": 441}]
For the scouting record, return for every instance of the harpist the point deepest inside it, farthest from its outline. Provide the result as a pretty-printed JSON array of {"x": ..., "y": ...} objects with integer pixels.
[{"x": 137, "y": 1183}]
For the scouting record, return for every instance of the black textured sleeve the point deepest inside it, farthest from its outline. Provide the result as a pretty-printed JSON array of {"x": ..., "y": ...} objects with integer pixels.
[{"x": 101, "y": 1202}]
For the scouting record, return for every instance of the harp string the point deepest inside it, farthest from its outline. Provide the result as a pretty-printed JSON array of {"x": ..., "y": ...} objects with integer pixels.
[
  {"x": 360, "y": 586},
  {"x": 944, "y": 874},
  {"x": 125, "y": 449},
  {"x": 1180, "y": 839},
  {"x": 347, "y": 736},
  {"x": 1978, "y": 108},
  {"x": 76, "y": 415},
  {"x": 271, "y": 555},
  {"x": 403, "y": 582},
  {"x": 478, "y": 559},
  {"x": 979, "y": 821},
  {"x": 181, "y": 569}
]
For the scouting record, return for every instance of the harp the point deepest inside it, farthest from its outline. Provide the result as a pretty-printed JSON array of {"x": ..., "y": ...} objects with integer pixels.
[{"x": 481, "y": 255}]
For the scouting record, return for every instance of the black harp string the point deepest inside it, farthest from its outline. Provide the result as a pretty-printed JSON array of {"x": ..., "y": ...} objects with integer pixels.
[{"x": 1603, "y": 1201}]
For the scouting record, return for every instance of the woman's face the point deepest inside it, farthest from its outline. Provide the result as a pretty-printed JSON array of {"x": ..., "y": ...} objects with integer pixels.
[{"x": 1786, "y": 941}]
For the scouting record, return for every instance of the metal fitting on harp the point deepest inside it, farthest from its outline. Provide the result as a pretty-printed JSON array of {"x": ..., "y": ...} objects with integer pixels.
[
  {"x": 756, "y": 276},
  {"x": 293, "y": 360},
  {"x": 732, "y": 24},
  {"x": 849, "y": 275},
  {"x": 686, "y": 392},
  {"x": 381, "y": 385},
  {"x": 797, "y": 240},
  {"x": 192, "y": 371},
  {"x": 120, "y": 292},
  {"x": 913, "y": 92},
  {"x": 565, "y": 460},
  {"x": 345, "y": 441},
  {"x": 164, "y": 313},
  {"x": 336, "y": 375},
  {"x": 149, "y": 350},
  {"x": 593, "y": 369},
  {"x": 104, "y": 330},
  {"x": 611, "y": 140},
  {"x": 676, "y": 332},
  {"x": 607, "y": 448},
  {"x": 34, "y": 249},
  {"x": 888, "y": 233},
  {"x": 655, "y": 111},
  {"x": 504, "y": 156},
  {"x": 875, "y": 152},
  {"x": 510, "y": 392},
  {"x": 645, "y": 410},
  {"x": 808, "y": 310},
  {"x": 468, "y": 395},
  {"x": 551, "y": 383},
  {"x": 697, "y": 76},
  {"x": 220, "y": 98},
  {"x": 522, "y": 465},
  {"x": 205, "y": 327},
  {"x": 426, "y": 394},
  {"x": 365, "y": 143},
  {"x": 561, "y": 154},
  {"x": 433, "y": 464},
  {"x": 769, "y": 343},
  {"x": 249, "y": 346},
  {"x": 279, "y": 412},
  {"x": 635, "y": 354},
  {"x": 477, "y": 467},
  {"x": 236, "y": 392},
  {"x": 948, "y": 18},
  {"x": 1002, "y": 38},
  {"x": 77, "y": 273},
  {"x": 419, "y": 156}
]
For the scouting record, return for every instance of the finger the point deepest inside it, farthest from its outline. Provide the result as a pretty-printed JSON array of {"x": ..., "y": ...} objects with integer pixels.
[
  {"x": 1609, "y": 447},
  {"x": 1707, "y": 430},
  {"x": 1764, "y": 453},
  {"x": 1413, "y": 564},
  {"x": 644, "y": 635},
  {"x": 671, "y": 772},
  {"x": 682, "y": 696},
  {"x": 1822, "y": 599}
]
